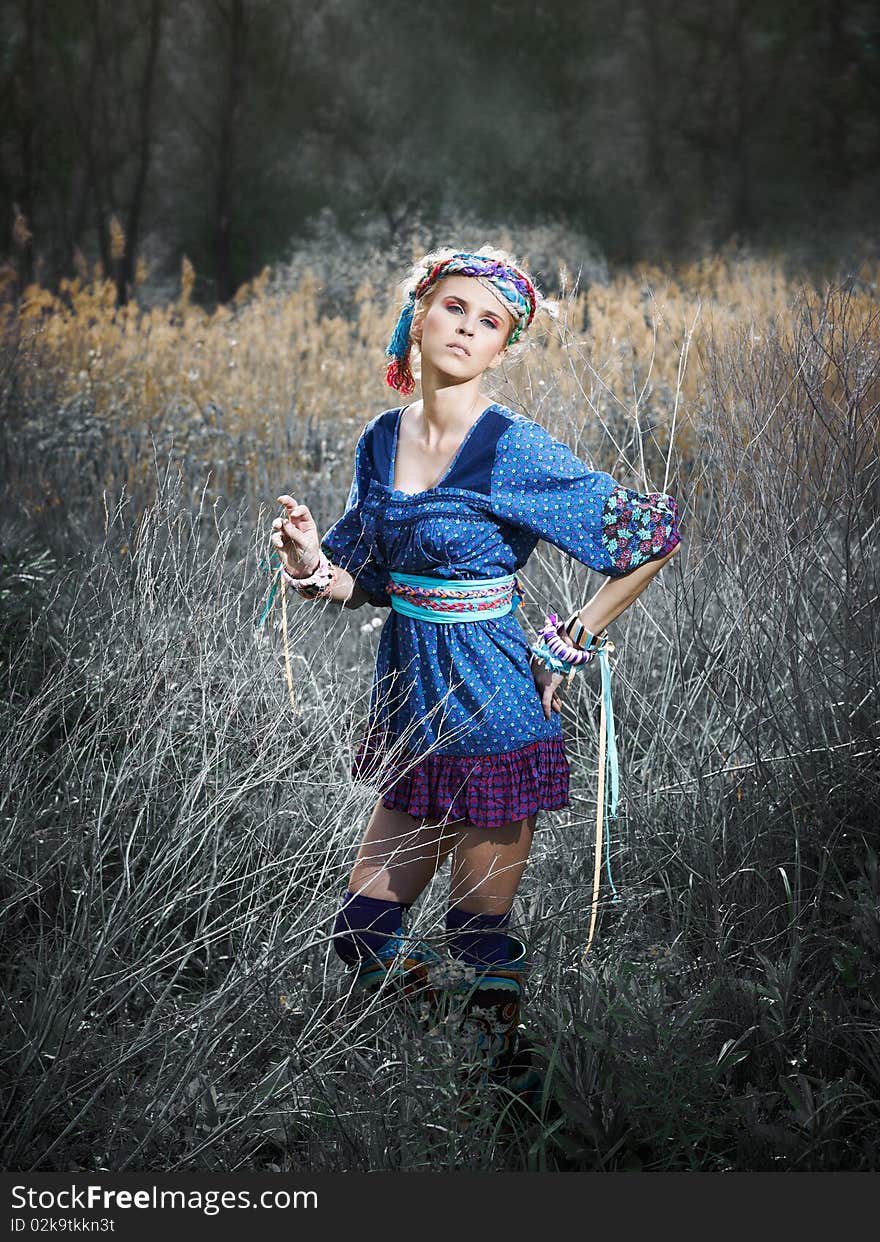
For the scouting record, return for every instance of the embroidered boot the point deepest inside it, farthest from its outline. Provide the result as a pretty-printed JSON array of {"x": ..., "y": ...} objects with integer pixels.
[
  {"x": 490, "y": 1010},
  {"x": 401, "y": 959}
]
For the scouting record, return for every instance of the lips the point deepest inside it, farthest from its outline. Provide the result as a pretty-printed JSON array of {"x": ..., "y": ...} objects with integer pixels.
[{"x": 458, "y": 346}]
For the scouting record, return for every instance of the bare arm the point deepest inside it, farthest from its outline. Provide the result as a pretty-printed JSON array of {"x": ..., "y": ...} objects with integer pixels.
[
  {"x": 616, "y": 594},
  {"x": 346, "y": 592},
  {"x": 613, "y": 597}
]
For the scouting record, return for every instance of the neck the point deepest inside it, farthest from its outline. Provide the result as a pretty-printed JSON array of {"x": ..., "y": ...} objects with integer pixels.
[{"x": 447, "y": 408}]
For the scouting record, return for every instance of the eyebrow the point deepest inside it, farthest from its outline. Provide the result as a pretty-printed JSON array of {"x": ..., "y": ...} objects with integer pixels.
[{"x": 493, "y": 314}]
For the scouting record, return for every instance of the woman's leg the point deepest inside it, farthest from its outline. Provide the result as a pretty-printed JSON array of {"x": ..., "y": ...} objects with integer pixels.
[
  {"x": 397, "y": 858},
  {"x": 488, "y": 864},
  {"x": 486, "y": 870},
  {"x": 400, "y": 854}
]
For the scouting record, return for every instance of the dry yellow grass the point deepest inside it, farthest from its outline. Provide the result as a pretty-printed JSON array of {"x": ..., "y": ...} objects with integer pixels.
[{"x": 640, "y": 344}]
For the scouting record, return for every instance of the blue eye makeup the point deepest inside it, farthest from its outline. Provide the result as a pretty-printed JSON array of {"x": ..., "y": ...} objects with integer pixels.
[{"x": 455, "y": 306}]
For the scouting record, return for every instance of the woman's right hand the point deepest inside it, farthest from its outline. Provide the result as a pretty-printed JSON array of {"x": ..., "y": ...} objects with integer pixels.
[
  {"x": 295, "y": 538},
  {"x": 548, "y": 686}
]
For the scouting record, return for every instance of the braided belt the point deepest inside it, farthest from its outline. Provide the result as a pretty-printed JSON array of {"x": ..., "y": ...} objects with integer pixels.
[{"x": 446, "y": 601}]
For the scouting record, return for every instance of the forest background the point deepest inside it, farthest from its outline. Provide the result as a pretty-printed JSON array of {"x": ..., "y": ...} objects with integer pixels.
[
  {"x": 208, "y": 205},
  {"x": 223, "y": 129}
]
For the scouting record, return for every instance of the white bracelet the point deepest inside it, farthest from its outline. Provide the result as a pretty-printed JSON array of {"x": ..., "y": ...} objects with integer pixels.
[{"x": 318, "y": 579}]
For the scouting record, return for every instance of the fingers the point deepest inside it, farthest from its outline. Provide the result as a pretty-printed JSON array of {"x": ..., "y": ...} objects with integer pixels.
[
  {"x": 547, "y": 701},
  {"x": 282, "y": 531},
  {"x": 556, "y": 701},
  {"x": 550, "y": 701},
  {"x": 281, "y": 543},
  {"x": 294, "y": 528},
  {"x": 283, "y": 524},
  {"x": 293, "y": 509}
]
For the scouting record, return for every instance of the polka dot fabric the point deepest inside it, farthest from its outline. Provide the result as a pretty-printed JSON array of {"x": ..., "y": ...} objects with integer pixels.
[
  {"x": 454, "y": 709},
  {"x": 539, "y": 484}
]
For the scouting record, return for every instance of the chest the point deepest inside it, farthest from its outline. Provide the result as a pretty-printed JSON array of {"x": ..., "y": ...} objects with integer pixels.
[{"x": 418, "y": 468}]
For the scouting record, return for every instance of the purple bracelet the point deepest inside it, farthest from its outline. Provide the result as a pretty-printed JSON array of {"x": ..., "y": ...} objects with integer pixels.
[{"x": 562, "y": 650}]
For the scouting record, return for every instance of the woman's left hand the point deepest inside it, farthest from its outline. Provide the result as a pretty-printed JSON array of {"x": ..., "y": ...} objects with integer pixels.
[{"x": 547, "y": 683}]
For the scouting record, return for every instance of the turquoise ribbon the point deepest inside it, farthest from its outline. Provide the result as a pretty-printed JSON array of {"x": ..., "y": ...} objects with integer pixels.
[
  {"x": 549, "y": 660},
  {"x": 612, "y": 766},
  {"x": 477, "y": 593},
  {"x": 272, "y": 592}
]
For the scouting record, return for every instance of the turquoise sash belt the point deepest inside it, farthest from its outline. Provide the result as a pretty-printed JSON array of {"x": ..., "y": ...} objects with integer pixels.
[{"x": 446, "y": 601}]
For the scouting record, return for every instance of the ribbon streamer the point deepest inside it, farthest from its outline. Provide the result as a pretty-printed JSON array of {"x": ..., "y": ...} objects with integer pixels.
[{"x": 607, "y": 793}]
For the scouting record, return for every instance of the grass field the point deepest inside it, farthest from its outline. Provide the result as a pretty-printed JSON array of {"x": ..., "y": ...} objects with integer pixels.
[{"x": 176, "y": 832}]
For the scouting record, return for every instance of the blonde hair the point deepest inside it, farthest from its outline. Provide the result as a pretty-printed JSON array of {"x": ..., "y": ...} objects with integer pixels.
[{"x": 494, "y": 268}]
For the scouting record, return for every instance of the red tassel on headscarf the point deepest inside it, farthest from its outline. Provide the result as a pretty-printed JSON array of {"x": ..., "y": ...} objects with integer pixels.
[{"x": 399, "y": 376}]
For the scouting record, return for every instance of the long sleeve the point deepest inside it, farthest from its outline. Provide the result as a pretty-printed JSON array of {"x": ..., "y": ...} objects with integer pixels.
[
  {"x": 346, "y": 544},
  {"x": 540, "y": 486}
]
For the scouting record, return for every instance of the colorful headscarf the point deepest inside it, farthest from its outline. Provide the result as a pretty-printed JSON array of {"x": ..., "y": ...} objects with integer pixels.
[{"x": 514, "y": 287}]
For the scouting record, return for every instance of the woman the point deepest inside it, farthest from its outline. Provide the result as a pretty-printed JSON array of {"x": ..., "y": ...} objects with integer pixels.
[{"x": 449, "y": 498}]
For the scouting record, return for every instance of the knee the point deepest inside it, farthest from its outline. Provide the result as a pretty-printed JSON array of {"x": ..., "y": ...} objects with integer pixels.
[{"x": 493, "y": 894}]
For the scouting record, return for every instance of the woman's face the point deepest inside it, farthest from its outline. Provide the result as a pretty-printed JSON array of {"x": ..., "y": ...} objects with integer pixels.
[{"x": 464, "y": 330}]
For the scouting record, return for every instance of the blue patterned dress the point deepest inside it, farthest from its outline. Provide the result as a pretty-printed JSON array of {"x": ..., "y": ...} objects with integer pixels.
[{"x": 456, "y": 725}]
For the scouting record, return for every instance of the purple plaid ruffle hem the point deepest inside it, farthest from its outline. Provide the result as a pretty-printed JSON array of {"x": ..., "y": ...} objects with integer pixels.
[{"x": 486, "y": 790}]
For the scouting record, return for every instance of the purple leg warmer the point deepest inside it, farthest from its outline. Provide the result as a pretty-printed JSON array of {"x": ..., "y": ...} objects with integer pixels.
[
  {"x": 477, "y": 939},
  {"x": 363, "y": 925}
]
